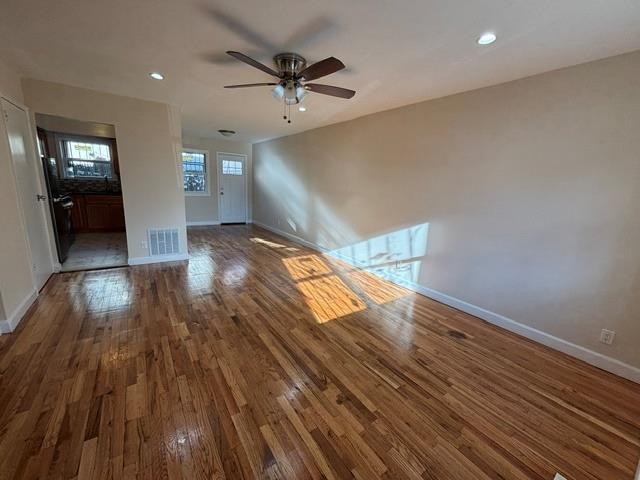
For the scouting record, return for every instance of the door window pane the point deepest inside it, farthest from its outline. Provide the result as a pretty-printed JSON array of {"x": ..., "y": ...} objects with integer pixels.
[{"x": 231, "y": 167}]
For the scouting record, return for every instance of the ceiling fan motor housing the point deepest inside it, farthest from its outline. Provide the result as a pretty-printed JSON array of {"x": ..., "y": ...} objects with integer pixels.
[{"x": 289, "y": 64}]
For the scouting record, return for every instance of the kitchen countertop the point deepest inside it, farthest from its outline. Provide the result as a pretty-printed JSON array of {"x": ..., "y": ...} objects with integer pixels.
[{"x": 113, "y": 194}]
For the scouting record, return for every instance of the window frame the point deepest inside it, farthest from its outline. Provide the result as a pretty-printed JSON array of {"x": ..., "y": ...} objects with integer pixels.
[
  {"x": 61, "y": 140},
  {"x": 207, "y": 172}
]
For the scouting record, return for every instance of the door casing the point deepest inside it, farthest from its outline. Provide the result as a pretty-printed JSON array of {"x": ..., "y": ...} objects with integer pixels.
[{"x": 43, "y": 207}]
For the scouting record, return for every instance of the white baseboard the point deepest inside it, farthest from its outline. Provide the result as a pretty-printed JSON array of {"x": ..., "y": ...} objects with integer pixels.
[
  {"x": 12, "y": 321},
  {"x": 158, "y": 259},
  {"x": 292, "y": 237},
  {"x": 202, "y": 223},
  {"x": 596, "y": 359}
]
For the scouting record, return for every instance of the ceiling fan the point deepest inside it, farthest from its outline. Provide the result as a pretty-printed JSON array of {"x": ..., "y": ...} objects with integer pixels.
[{"x": 292, "y": 75}]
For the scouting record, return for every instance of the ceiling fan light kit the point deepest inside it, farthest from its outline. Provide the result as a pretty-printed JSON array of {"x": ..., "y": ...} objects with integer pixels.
[{"x": 293, "y": 73}]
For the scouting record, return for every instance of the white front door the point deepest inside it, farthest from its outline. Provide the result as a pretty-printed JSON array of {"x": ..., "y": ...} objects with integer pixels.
[
  {"x": 31, "y": 195},
  {"x": 232, "y": 187}
]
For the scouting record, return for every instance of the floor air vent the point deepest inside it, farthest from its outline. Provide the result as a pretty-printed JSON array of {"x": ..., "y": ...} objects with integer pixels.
[{"x": 164, "y": 241}]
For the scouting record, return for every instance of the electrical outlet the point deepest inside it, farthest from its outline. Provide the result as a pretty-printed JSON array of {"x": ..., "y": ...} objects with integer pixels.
[
  {"x": 607, "y": 336},
  {"x": 143, "y": 244}
]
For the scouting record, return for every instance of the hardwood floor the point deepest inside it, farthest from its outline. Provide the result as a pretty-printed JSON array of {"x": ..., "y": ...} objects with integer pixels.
[{"x": 262, "y": 359}]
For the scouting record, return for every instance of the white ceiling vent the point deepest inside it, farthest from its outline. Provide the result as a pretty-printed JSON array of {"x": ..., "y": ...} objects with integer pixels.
[{"x": 163, "y": 241}]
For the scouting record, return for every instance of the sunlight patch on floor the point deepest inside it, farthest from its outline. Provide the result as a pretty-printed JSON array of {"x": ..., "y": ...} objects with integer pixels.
[
  {"x": 306, "y": 266},
  {"x": 379, "y": 290},
  {"x": 104, "y": 292},
  {"x": 270, "y": 244},
  {"x": 329, "y": 297}
]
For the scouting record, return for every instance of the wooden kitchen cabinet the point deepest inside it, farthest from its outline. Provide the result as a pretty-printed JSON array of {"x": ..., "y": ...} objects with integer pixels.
[
  {"x": 97, "y": 213},
  {"x": 78, "y": 214}
]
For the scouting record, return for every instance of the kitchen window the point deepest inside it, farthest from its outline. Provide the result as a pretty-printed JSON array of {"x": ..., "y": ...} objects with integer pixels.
[
  {"x": 86, "y": 158},
  {"x": 195, "y": 172}
]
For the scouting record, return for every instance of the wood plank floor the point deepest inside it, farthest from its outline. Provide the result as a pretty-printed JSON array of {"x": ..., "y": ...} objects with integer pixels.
[{"x": 262, "y": 359}]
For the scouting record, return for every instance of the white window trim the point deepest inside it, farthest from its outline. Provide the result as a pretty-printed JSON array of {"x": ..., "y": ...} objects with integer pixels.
[{"x": 207, "y": 162}]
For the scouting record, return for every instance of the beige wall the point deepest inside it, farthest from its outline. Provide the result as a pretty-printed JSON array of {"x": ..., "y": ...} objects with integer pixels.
[
  {"x": 147, "y": 151},
  {"x": 200, "y": 209},
  {"x": 10, "y": 82},
  {"x": 16, "y": 280},
  {"x": 530, "y": 189},
  {"x": 53, "y": 123}
]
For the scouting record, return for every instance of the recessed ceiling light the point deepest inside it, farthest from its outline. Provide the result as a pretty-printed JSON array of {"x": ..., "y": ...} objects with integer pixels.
[
  {"x": 156, "y": 76},
  {"x": 487, "y": 38},
  {"x": 226, "y": 133},
  {"x": 302, "y": 109}
]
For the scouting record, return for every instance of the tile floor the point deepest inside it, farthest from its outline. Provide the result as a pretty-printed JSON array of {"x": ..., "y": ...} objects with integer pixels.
[{"x": 97, "y": 250}]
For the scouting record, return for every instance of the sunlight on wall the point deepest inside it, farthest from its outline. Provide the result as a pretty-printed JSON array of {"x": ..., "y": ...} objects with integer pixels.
[
  {"x": 280, "y": 183},
  {"x": 289, "y": 205},
  {"x": 396, "y": 255}
]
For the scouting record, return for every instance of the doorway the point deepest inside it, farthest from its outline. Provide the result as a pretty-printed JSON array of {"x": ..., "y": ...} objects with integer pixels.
[
  {"x": 30, "y": 192},
  {"x": 80, "y": 162},
  {"x": 232, "y": 187}
]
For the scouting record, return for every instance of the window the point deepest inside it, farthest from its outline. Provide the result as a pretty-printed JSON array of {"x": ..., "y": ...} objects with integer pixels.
[
  {"x": 194, "y": 172},
  {"x": 86, "y": 158},
  {"x": 231, "y": 167}
]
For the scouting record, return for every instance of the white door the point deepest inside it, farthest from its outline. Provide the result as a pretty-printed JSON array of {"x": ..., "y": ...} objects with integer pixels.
[
  {"x": 232, "y": 188},
  {"x": 31, "y": 195}
]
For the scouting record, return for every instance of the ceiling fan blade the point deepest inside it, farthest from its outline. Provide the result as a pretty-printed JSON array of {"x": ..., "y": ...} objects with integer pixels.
[
  {"x": 322, "y": 68},
  {"x": 330, "y": 90},
  {"x": 254, "y": 63},
  {"x": 245, "y": 85},
  {"x": 241, "y": 29}
]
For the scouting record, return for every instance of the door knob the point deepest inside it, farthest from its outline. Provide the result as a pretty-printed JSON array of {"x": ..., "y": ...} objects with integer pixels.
[{"x": 41, "y": 197}]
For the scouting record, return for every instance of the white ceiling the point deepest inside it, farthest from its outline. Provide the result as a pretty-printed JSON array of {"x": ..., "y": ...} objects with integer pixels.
[{"x": 397, "y": 52}]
